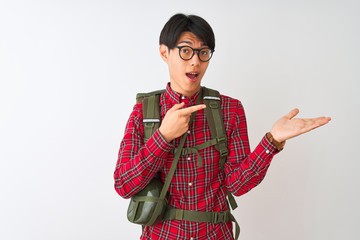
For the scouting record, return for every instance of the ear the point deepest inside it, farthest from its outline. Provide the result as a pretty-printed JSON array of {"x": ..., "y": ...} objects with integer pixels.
[{"x": 164, "y": 52}]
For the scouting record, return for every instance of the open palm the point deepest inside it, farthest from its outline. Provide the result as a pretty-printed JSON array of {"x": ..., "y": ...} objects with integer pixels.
[{"x": 288, "y": 127}]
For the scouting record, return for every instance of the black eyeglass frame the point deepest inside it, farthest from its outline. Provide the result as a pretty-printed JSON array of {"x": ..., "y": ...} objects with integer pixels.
[{"x": 193, "y": 53}]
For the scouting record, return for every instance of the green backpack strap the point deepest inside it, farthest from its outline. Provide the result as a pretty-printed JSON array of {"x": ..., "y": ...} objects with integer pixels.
[
  {"x": 171, "y": 171},
  {"x": 214, "y": 118},
  {"x": 197, "y": 216},
  {"x": 141, "y": 96},
  {"x": 216, "y": 124},
  {"x": 151, "y": 112}
]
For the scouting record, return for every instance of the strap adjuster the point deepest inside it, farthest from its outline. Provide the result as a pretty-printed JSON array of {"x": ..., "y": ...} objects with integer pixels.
[
  {"x": 221, "y": 139},
  {"x": 224, "y": 152},
  {"x": 179, "y": 214},
  {"x": 219, "y": 217},
  {"x": 149, "y": 124},
  {"x": 184, "y": 151},
  {"x": 214, "y": 105}
]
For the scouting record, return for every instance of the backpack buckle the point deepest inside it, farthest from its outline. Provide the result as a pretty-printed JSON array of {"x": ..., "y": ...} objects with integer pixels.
[
  {"x": 220, "y": 140},
  {"x": 219, "y": 217},
  {"x": 224, "y": 152},
  {"x": 149, "y": 124},
  {"x": 184, "y": 151},
  {"x": 214, "y": 105}
]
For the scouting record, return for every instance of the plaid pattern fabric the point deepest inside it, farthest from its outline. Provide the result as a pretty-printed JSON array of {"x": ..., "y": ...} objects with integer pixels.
[{"x": 192, "y": 187}]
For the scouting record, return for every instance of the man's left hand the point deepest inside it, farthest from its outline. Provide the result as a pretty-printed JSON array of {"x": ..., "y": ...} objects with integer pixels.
[{"x": 288, "y": 127}]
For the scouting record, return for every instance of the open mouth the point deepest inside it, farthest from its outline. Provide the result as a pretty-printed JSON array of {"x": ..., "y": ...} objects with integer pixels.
[{"x": 192, "y": 76}]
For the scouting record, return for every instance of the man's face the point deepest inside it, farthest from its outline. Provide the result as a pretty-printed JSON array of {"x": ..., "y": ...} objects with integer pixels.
[{"x": 185, "y": 76}]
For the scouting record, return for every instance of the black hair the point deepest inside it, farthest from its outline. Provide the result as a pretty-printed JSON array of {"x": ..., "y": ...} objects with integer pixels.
[{"x": 180, "y": 23}]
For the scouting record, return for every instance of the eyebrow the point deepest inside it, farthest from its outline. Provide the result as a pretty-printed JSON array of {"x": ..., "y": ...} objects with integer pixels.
[{"x": 190, "y": 43}]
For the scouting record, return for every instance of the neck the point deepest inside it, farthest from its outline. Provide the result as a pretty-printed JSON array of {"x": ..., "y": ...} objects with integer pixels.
[{"x": 183, "y": 91}]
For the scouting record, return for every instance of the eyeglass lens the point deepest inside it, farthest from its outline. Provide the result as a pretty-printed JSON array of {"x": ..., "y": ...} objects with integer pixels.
[{"x": 187, "y": 53}]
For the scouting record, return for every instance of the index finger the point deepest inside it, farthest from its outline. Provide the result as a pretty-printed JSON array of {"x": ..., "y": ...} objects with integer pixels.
[{"x": 190, "y": 110}]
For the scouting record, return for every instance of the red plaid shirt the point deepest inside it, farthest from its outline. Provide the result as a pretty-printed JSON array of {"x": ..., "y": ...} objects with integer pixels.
[{"x": 192, "y": 187}]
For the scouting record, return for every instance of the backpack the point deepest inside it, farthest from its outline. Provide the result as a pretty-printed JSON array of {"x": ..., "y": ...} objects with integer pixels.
[{"x": 149, "y": 206}]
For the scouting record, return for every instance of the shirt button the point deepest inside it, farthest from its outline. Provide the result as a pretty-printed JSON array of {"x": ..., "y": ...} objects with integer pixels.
[
  {"x": 183, "y": 97},
  {"x": 188, "y": 132},
  {"x": 192, "y": 238},
  {"x": 189, "y": 158},
  {"x": 267, "y": 151},
  {"x": 190, "y": 184}
]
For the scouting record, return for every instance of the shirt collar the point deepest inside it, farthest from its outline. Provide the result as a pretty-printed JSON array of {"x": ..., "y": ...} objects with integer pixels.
[{"x": 176, "y": 97}]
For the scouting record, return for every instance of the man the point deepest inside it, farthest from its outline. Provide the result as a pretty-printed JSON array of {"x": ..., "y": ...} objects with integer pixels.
[{"x": 186, "y": 45}]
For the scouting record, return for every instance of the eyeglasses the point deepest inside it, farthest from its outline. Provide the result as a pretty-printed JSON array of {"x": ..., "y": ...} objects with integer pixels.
[{"x": 186, "y": 53}]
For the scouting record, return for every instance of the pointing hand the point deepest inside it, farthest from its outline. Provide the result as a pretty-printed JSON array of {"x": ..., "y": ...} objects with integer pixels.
[{"x": 176, "y": 121}]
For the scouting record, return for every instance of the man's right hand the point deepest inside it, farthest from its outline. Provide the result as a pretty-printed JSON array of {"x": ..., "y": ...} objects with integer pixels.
[{"x": 176, "y": 121}]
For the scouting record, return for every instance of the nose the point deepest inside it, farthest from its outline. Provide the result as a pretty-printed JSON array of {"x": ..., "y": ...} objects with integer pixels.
[{"x": 194, "y": 61}]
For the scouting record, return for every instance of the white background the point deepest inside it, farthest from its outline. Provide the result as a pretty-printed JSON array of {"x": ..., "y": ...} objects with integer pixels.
[{"x": 69, "y": 74}]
